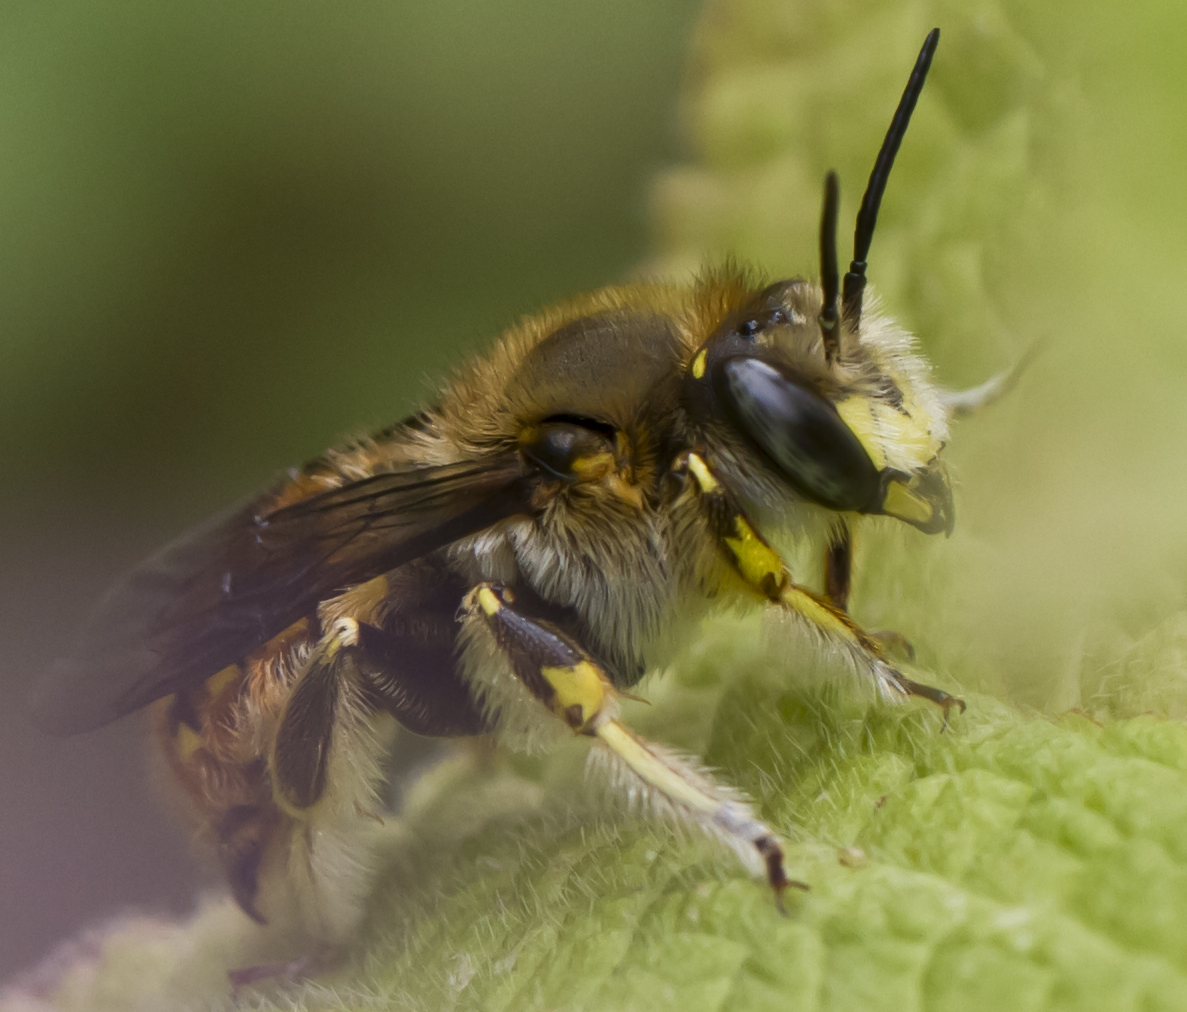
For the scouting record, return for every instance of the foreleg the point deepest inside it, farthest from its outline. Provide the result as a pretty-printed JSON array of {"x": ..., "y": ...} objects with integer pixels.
[{"x": 762, "y": 569}]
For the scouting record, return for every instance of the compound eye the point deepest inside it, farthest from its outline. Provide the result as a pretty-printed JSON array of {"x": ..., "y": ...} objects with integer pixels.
[{"x": 800, "y": 432}]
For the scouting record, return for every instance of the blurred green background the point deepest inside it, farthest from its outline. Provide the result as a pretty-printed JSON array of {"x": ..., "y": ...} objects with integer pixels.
[{"x": 230, "y": 235}]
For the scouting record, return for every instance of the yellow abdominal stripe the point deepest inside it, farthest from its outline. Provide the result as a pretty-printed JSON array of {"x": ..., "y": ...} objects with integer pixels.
[
  {"x": 217, "y": 682},
  {"x": 186, "y": 739},
  {"x": 188, "y": 742}
]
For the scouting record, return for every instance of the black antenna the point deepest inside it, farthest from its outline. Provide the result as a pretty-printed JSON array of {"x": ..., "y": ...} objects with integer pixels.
[
  {"x": 867, "y": 217},
  {"x": 830, "y": 275}
]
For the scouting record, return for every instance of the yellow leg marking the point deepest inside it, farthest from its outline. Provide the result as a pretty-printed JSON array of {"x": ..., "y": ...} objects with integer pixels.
[
  {"x": 577, "y": 691},
  {"x": 488, "y": 602},
  {"x": 757, "y": 562},
  {"x": 330, "y": 647},
  {"x": 652, "y": 771},
  {"x": 760, "y": 565},
  {"x": 700, "y": 471},
  {"x": 345, "y": 634},
  {"x": 763, "y": 570},
  {"x": 718, "y": 810},
  {"x": 826, "y": 618},
  {"x": 582, "y": 694}
]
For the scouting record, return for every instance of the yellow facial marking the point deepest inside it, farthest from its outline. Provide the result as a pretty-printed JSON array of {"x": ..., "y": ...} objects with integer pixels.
[
  {"x": 901, "y": 502},
  {"x": 892, "y": 437},
  {"x": 583, "y": 686},
  {"x": 858, "y": 413},
  {"x": 488, "y": 602},
  {"x": 910, "y": 434},
  {"x": 700, "y": 471},
  {"x": 698, "y": 365}
]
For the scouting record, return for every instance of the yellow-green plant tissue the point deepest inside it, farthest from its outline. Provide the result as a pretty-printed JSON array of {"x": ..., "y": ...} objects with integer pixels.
[{"x": 1031, "y": 856}]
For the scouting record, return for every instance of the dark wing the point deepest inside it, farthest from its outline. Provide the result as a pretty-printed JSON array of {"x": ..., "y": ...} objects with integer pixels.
[{"x": 237, "y": 580}]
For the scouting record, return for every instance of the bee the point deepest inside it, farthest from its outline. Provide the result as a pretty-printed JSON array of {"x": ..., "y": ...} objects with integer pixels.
[{"x": 506, "y": 561}]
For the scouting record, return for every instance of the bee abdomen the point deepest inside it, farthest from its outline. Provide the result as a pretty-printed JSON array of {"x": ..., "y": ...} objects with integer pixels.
[
  {"x": 211, "y": 736},
  {"x": 243, "y": 834}
]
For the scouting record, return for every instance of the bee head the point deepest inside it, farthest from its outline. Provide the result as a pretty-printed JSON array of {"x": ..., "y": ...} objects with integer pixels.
[{"x": 836, "y": 413}]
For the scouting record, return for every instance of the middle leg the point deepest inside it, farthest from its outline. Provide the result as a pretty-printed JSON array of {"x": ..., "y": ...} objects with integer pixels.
[
  {"x": 574, "y": 688},
  {"x": 838, "y": 581},
  {"x": 838, "y": 568}
]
